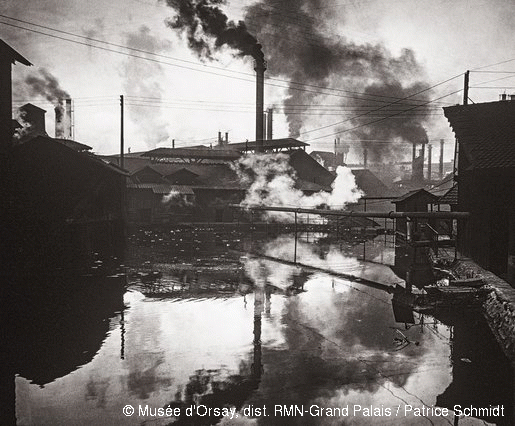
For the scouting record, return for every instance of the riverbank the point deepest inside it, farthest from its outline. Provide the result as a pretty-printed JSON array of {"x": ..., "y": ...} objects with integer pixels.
[{"x": 498, "y": 307}]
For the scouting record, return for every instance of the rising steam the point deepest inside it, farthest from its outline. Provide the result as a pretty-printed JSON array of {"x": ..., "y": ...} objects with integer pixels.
[{"x": 271, "y": 182}]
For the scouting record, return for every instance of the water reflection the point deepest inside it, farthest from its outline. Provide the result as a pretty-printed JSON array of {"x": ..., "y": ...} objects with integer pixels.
[{"x": 241, "y": 331}]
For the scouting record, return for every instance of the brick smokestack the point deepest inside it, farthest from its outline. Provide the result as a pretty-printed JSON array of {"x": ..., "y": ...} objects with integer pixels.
[{"x": 260, "y": 67}]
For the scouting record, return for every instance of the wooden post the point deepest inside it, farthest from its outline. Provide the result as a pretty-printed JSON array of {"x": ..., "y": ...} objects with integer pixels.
[
  {"x": 295, "y": 247},
  {"x": 121, "y": 134}
]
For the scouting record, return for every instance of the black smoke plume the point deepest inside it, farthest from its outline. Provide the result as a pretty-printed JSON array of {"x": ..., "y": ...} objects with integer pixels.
[
  {"x": 203, "y": 21},
  {"x": 44, "y": 84},
  {"x": 299, "y": 43}
]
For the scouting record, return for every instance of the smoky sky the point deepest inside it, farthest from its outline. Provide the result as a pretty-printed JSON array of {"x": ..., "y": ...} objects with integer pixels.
[{"x": 300, "y": 46}]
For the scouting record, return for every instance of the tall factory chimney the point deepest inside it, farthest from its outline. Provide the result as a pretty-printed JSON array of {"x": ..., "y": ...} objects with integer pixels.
[
  {"x": 440, "y": 171},
  {"x": 429, "y": 159},
  {"x": 365, "y": 158},
  {"x": 260, "y": 67},
  {"x": 269, "y": 121}
]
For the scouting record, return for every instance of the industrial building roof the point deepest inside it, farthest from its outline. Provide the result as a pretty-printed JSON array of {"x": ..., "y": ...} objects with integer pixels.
[
  {"x": 371, "y": 185},
  {"x": 159, "y": 188},
  {"x": 193, "y": 153},
  {"x": 415, "y": 193},
  {"x": 267, "y": 144},
  {"x": 486, "y": 133}
]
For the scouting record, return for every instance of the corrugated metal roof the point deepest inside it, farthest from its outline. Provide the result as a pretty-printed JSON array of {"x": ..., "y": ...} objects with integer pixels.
[{"x": 486, "y": 133}]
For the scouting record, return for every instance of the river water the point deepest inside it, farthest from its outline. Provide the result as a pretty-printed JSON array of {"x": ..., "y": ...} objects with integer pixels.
[{"x": 221, "y": 336}]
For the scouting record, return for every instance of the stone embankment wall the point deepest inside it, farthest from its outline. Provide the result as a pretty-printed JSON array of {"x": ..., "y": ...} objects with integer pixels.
[{"x": 498, "y": 308}]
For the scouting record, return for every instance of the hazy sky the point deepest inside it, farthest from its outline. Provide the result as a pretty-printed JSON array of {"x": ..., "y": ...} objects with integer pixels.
[{"x": 361, "y": 43}]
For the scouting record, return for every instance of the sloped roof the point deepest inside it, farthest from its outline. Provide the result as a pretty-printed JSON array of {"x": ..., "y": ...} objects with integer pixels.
[
  {"x": 29, "y": 107},
  {"x": 486, "y": 133},
  {"x": 371, "y": 185},
  {"x": 329, "y": 158},
  {"x": 416, "y": 192},
  {"x": 77, "y": 146},
  {"x": 41, "y": 141},
  {"x": 14, "y": 56},
  {"x": 450, "y": 197}
]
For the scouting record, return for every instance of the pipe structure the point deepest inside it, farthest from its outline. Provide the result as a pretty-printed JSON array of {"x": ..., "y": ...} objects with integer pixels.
[{"x": 389, "y": 215}]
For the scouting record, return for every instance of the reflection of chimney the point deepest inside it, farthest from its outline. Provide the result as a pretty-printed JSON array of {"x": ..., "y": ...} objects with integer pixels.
[
  {"x": 259, "y": 67},
  {"x": 269, "y": 121},
  {"x": 257, "y": 366},
  {"x": 440, "y": 171}
]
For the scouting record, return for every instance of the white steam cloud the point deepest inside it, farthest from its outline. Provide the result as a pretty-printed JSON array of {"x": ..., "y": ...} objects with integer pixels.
[{"x": 271, "y": 181}]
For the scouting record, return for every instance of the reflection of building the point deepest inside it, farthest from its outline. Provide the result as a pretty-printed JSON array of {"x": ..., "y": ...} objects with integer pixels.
[{"x": 52, "y": 328}]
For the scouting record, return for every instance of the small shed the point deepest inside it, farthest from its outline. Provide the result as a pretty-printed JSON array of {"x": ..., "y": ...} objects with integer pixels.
[{"x": 413, "y": 201}]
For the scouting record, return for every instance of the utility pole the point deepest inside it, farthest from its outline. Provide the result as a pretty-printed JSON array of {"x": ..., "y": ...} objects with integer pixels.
[
  {"x": 121, "y": 132},
  {"x": 466, "y": 88}
]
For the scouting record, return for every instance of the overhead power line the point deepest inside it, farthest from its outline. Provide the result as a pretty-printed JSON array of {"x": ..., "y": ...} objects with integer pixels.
[{"x": 371, "y": 97}]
